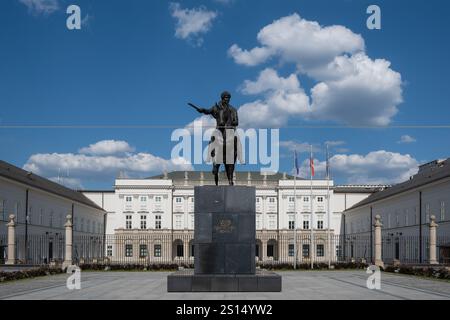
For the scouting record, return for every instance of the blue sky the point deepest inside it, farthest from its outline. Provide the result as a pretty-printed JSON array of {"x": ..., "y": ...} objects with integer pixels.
[{"x": 137, "y": 63}]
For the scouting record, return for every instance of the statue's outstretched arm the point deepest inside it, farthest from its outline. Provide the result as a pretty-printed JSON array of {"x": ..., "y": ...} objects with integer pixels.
[{"x": 200, "y": 110}]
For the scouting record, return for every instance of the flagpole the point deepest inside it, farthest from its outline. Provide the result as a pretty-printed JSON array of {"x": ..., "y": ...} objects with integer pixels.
[
  {"x": 295, "y": 212},
  {"x": 312, "y": 220},
  {"x": 328, "y": 210}
]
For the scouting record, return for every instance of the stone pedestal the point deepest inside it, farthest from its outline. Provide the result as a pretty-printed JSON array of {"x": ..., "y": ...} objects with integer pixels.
[{"x": 224, "y": 240}]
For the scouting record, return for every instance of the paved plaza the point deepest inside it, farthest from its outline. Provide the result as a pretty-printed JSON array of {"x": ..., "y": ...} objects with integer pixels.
[{"x": 345, "y": 285}]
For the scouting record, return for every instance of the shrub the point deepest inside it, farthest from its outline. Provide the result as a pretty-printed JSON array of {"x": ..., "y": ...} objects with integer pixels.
[{"x": 28, "y": 273}]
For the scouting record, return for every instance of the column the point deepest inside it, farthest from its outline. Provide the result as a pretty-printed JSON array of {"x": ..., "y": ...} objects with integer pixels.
[
  {"x": 378, "y": 225},
  {"x": 11, "y": 240},
  {"x": 264, "y": 250},
  {"x": 68, "y": 252},
  {"x": 433, "y": 226}
]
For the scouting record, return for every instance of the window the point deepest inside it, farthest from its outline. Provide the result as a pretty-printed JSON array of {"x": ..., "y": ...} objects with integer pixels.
[
  {"x": 291, "y": 250},
  {"x": 427, "y": 212},
  {"x": 178, "y": 221},
  {"x": 158, "y": 222},
  {"x": 338, "y": 251},
  {"x": 178, "y": 199},
  {"x": 320, "y": 250},
  {"x": 320, "y": 224},
  {"x": 50, "y": 223},
  {"x": 191, "y": 199},
  {"x": 305, "y": 224},
  {"x": 305, "y": 199},
  {"x": 257, "y": 200},
  {"x": 291, "y": 222},
  {"x": 82, "y": 225},
  {"x": 157, "y": 250},
  {"x": 109, "y": 251},
  {"x": 143, "y": 251},
  {"x": 17, "y": 212},
  {"x": 291, "y": 199},
  {"x": 157, "y": 199},
  {"x": 442, "y": 211},
  {"x": 128, "y": 250},
  {"x": 128, "y": 221},
  {"x": 192, "y": 221},
  {"x": 143, "y": 198},
  {"x": 128, "y": 199},
  {"x": 271, "y": 200},
  {"x": 143, "y": 222},
  {"x": 41, "y": 217},
  {"x": 75, "y": 223},
  {"x": 319, "y": 199},
  {"x": 258, "y": 222},
  {"x": 305, "y": 251},
  {"x": 272, "y": 222},
  {"x": 3, "y": 214}
]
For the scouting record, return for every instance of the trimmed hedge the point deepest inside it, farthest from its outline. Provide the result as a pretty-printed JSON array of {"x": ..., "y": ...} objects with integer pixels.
[
  {"x": 28, "y": 273},
  {"x": 431, "y": 272},
  {"x": 317, "y": 266},
  {"x": 135, "y": 267}
]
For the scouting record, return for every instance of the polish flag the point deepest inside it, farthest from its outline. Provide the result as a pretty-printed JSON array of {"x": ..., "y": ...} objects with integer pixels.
[{"x": 311, "y": 165}]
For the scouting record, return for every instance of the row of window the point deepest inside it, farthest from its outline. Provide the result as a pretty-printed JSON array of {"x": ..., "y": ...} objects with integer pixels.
[
  {"x": 319, "y": 225},
  {"x": 407, "y": 218},
  {"x": 306, "y": 199},
  {"x": 157, "y": 250},
  {"x": 143, "y": 225},
  {"x": 143, "y": 250},
  {"x": 320, "y": 250},
  {"x": 87, "y": 225},
  {"x": 129, "y": 199}
]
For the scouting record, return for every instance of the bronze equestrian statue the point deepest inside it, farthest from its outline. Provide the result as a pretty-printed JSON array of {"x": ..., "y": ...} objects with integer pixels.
[{"x": 226, "y": 122}]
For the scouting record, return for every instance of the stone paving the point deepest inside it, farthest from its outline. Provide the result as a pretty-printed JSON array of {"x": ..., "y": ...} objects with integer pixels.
[{"x": 342, "y": 285}]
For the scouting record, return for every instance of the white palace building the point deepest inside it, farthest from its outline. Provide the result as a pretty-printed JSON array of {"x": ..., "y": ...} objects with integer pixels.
[
  {"x": 162, "y": 207},
  {"x": 157, "y": 214}
]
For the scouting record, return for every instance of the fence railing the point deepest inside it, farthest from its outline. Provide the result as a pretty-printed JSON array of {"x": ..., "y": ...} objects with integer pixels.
[{"x": 178, "y": 248}]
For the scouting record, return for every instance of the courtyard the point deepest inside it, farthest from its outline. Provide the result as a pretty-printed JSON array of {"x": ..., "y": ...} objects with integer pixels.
[{"x": 307, "y": 285}]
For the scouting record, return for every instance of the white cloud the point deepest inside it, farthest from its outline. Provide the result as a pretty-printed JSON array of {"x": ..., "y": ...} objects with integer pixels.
[
  {"x": 406, "y": 139},
  {"x": 41, "y": 6},
  {"x": 283, "y": 97},
  {"x": 377, "y": 167},
  {"x": 299, "y": 146},
  {"x": 101, "y": 167},
  {"x": 249, "y": 58},
  {"x": 73, "y": 183},
  {"x": 349, "y": 87},
  {"x": 298, "y": 40},
  {"x": 334, "y": 143},
  {"x": 364, "y": 92},
  {"x": 190, "y": 23},
  {"x": 107, "y": 147}
]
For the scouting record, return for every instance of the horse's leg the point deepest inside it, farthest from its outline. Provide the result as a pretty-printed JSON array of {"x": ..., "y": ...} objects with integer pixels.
[{"x": 216, "y": 173}]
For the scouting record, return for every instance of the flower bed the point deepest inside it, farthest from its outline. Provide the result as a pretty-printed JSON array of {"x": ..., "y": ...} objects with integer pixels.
[
  {"x": 28, "y": 273},
  {"x": 423, "y": 271}
]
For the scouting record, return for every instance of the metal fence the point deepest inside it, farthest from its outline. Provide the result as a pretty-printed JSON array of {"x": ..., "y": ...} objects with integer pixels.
[
  {"x": 40, "y": 249},
  {"x": 413, "y": 249},
  {"x": 178, "y": 248}
]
